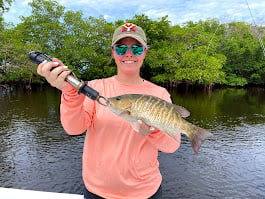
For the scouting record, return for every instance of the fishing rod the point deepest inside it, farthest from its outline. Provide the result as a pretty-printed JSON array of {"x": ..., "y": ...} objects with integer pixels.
[
  {"x": 206, "y": 53},
  {"x": 258, "y": 33},
  {"x": 39, "y": 57}
]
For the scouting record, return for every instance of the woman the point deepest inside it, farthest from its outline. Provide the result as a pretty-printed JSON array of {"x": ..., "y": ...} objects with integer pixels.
[{"x": 119, "y": 158}]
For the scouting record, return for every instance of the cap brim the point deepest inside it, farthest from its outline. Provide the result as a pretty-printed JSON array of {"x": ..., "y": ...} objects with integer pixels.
[{"x": 124, "y": 35}]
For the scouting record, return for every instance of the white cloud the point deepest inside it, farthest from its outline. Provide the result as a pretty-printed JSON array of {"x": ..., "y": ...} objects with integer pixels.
[
  {"x": 178, "y": 11},
  {"x": 17, "y": 9},
  {"x": 156, "y": 13}
]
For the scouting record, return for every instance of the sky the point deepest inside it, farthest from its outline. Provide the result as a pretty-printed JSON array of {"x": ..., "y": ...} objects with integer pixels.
[{"x": 178, "y": 11}]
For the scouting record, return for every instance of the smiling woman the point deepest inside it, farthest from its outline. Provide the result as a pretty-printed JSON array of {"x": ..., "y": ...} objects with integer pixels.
[
  {"x": 129, "y": 61},
  {"x": 129, "y": 48},
  {"x": 133, "y": 170}
]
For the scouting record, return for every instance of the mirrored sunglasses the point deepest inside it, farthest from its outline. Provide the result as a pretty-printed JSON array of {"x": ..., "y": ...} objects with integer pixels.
[{"x": 135, "y": 49}]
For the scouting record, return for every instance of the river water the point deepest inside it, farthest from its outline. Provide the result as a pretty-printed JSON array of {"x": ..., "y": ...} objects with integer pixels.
[{"x": 36, "y": 153}]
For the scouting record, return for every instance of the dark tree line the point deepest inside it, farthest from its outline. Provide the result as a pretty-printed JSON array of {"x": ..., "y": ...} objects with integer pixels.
[{"x": 204, "y": 52}]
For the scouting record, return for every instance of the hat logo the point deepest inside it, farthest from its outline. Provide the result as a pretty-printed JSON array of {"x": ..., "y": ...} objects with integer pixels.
[{"x": 128, "y": 27}]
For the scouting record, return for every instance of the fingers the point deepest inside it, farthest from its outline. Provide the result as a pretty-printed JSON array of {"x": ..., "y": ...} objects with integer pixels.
[
  {"x": 58, "y": 61},
  {"x": 151, "y": 128},
  {"x": 45, "y": 68},
  {"x": 55, "y": 72},
  {"x": 57, "y": 78},
  {"x": 142, "y": 128},
  {"x": 135, "y": 126}
]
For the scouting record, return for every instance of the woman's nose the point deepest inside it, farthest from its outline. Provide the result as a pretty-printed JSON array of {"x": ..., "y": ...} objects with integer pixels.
[{"x": 129, "y": 52}]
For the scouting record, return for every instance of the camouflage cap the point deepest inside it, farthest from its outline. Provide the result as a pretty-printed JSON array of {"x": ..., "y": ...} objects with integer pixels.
[{"x": 129, "y": 30}]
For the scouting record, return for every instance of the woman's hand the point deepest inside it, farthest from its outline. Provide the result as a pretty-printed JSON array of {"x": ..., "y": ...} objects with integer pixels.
[
  {"x": 142, "y": 128},
  {"x": 56, "y": 77}
]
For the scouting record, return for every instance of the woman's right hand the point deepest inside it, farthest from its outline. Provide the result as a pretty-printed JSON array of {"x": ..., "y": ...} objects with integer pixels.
[{"x": 56, "y": 77}]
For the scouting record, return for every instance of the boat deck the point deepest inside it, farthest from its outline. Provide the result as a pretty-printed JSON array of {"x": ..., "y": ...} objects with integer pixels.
[{"x": 10, "y": 193}]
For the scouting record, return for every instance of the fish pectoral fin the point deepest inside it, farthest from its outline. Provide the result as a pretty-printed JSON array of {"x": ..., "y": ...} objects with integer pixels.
[{"x": 183, "y": 111}]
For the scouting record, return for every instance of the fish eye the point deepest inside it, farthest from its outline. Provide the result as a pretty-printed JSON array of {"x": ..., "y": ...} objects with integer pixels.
[{"x": 118, "y": 98}]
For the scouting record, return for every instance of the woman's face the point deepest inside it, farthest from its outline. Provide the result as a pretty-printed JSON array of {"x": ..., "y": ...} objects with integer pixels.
[{"x": 128, "y": 63}]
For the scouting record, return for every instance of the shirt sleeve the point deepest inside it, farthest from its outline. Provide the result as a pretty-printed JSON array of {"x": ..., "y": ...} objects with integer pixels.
[
  {"x": 161, "y": 140},
  {"x": 74, "y": 118}
]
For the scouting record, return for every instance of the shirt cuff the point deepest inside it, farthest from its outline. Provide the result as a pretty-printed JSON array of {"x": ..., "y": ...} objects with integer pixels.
[{"x": 68, "y": 88}]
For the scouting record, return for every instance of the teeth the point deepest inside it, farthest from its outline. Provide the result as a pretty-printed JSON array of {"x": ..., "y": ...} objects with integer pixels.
[{"x": 128, "y": 62}]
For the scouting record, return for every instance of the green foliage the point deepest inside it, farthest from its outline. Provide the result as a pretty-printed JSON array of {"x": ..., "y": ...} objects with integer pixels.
[
  {"x": 91, "y": 38},
  {"x": 233, "y": 80},
  {"x": 44, "y": 25},
  {"x": 186, "y": 55},
  {"x": 245, "y": 60},
  {"x": 4, "y": 5},
  {"x": 25, "y": 75},
  {"x": 204, "y": 52},
  {"x": 194, "y": 69}
]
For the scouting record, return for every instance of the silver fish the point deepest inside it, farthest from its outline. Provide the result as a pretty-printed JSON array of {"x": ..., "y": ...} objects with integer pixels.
[{"x": 158, "y": 113}]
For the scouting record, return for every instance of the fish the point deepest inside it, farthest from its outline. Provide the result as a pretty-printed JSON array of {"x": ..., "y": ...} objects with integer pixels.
[{"x": 160, "y": 114}]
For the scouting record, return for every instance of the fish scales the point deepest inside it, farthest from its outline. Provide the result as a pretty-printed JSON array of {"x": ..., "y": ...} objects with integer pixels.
[
  {"x": 156, "y": 112},
  {"x": 146, "y": 107},
  {"x": 150, "y": 111}
]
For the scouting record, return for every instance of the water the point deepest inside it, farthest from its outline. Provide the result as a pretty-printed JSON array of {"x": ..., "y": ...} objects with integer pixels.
[{"x": 37, "y": 154}]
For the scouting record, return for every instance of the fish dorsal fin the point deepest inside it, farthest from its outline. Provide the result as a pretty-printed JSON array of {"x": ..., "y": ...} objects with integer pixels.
[{"x": 183, "y": 112}]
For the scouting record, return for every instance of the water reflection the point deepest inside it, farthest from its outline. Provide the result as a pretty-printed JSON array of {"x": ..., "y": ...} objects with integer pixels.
[
  {"x": 35, "y": 152},
  {"x": 230, "y": 165}
]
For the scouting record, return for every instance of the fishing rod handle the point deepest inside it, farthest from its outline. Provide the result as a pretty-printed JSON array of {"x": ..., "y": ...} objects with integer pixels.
[{"x": 39, "y": 57}]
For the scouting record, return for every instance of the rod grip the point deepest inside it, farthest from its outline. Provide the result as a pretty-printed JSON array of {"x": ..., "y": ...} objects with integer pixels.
[{"x": 38, "y": 57}]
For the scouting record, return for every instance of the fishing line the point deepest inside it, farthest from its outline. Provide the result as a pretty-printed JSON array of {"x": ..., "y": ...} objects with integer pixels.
[
  {"x": 206, "y": 54},
  {"x": 258, "y": 33}
]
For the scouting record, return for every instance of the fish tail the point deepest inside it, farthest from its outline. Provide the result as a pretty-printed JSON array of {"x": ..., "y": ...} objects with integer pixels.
[{"x": 197, "y": 137}]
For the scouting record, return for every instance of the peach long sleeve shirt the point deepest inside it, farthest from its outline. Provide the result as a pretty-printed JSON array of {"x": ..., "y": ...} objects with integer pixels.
[{"x": 118, "y": 162}]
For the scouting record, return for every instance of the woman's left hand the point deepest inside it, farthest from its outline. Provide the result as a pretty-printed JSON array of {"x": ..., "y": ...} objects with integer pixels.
[{"x": 142, "y": 128}]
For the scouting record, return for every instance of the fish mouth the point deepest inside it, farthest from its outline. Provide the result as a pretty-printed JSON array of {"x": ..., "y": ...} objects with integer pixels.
[
  {"x": 108, "y": 103},
  {"x": 110, "y": 106},
  {"x": 115, "y": 111}
]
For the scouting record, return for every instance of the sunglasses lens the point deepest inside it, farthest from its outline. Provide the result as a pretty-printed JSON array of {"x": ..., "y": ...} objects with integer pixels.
[
  {"x": 137, "y": 50},
  {"x": 121, "y": 49}
]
